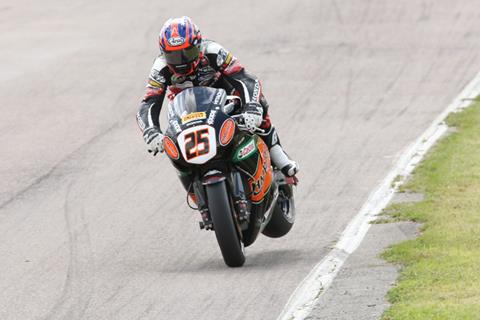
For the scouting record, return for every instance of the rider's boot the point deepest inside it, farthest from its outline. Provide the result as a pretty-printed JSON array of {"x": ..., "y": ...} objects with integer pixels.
[
  {"x": 281, "y": 160},
  {"x": 279, "y": 157}
]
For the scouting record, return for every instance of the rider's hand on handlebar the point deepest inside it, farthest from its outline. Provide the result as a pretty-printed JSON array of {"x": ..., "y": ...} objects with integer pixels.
[
  {"x": 154, "y": 139},
  {"x": 253, "y": 116}
]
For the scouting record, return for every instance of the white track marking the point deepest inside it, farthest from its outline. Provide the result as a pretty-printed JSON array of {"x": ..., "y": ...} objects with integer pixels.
[{"x": 306, "y": 295}]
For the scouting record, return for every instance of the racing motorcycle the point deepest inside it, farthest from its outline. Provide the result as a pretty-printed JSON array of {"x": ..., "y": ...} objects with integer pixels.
[{"x": 234, "y": 186}]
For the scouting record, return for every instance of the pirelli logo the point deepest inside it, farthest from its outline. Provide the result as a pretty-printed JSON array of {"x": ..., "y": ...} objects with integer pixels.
[{"x": 193, "y": 116}]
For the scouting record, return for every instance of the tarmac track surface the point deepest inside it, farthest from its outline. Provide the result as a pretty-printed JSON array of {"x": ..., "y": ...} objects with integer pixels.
[{"x": 91, "y": 227}]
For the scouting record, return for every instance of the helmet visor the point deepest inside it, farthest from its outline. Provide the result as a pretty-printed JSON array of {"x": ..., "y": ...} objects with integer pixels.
[{"x": 183, "y": 56}]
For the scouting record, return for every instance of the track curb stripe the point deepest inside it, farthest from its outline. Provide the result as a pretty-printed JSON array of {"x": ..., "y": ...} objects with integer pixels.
[{"x": 307, "y": 294}]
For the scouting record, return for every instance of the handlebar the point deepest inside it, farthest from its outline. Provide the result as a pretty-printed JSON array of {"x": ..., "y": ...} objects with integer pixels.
[
  {"x": 230, "y": 107},
  {"x": 241, "y": 125}
]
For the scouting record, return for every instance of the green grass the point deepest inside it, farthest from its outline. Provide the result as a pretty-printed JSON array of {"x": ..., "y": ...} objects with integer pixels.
[
  {"x": 440, "y": 277},
  {"x": 394, "y": 213}
]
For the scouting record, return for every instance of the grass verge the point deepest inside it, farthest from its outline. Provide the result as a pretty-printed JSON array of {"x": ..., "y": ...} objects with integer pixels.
[{"x": 440, "y": 277}]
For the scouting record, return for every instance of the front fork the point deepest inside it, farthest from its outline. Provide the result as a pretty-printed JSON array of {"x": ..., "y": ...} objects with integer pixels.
[
  {"x": 194, "y": 187},
  {"x": 199, "y": 191},
  {"x": 239, "y": 197}
]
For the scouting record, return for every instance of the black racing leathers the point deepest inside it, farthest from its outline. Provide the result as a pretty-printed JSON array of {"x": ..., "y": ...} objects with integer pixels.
[{"x": 218, "y": 68}]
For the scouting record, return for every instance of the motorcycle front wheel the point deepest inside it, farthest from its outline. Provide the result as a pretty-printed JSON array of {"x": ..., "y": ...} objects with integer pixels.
[{"x": 223, "y": 224}]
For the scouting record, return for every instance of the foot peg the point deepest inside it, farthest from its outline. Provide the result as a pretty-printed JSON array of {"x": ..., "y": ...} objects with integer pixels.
[{"x": 293, "y": 181}]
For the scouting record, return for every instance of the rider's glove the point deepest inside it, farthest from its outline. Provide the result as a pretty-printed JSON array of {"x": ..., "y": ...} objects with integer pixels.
[
  {"x": 253, "y": 116},
  {"x": 154, "y": 140}
]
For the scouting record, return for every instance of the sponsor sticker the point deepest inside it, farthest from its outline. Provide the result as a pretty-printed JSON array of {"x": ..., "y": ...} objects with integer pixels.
[
  {"x": 247, "y": 150},
  {"x": 175, "y": 125},
  {"x": 170, "y": 148},
  {"x": 140, "y": 122},
  {"x": 256, "y": 91},
  {"x": 193, "y": 116},
  {"x": 211, "y": 117},
  {"x": 218, "y": 97},
  {"x": 227, "y": 131},
  {"x": 176, "y": 41}
]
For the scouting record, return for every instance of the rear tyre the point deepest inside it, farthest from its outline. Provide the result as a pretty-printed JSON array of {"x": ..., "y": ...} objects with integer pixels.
[
  {"x": 224, "y": 226},
  {"x": 283, "y": 215}
]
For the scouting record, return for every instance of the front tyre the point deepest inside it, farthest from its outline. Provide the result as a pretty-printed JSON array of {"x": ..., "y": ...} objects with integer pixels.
[{"x": 223, "y": 224}]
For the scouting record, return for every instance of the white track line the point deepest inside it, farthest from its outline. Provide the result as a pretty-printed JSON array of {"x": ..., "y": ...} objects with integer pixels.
[{"x": 306, "y": 295}]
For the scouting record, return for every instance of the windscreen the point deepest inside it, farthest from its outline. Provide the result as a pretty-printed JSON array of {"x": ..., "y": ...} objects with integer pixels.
[{"x": 197, "y": 99}]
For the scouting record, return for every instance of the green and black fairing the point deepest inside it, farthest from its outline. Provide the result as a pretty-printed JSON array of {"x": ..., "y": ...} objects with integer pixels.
[{"x": 245, "y": 158}]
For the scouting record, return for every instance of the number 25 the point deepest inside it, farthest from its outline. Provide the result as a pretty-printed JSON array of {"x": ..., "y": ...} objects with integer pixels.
[{"x": 197, "y": 143}]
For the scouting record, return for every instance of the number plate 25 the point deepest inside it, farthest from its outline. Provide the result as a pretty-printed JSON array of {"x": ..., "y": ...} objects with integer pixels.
[{"x": 198, "y": 144}]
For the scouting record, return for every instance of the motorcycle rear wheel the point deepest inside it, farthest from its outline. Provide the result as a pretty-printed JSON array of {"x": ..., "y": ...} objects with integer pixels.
[
  {"x": 224, "y": 226},
  {"x": 283, "y": 216}
]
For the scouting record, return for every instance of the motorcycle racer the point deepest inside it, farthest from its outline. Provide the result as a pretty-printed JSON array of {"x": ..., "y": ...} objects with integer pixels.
[{"x": 187, "y": 60}]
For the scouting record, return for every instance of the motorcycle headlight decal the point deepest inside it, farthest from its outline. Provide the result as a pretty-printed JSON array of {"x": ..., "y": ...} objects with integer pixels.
[
  {"x": 198, "y": 144},
  {"x": 170, "y": 148},
  {"x": 227, "y": 132}
]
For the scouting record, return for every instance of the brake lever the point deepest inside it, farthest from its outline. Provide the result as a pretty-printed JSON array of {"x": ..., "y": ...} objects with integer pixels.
[
  {"x": 242, "y": 126},
  {"x": 259, "y": 130}
]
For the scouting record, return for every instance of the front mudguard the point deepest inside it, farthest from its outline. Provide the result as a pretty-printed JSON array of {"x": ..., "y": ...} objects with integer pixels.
[{"x": 212, "y": 177}]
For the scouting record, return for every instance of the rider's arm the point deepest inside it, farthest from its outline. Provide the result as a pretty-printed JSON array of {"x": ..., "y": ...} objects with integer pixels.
[
  {"x": 149, "y": 111},
  {"x": 249, "y": 89},
  {"x": 246, "y": 85}
]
